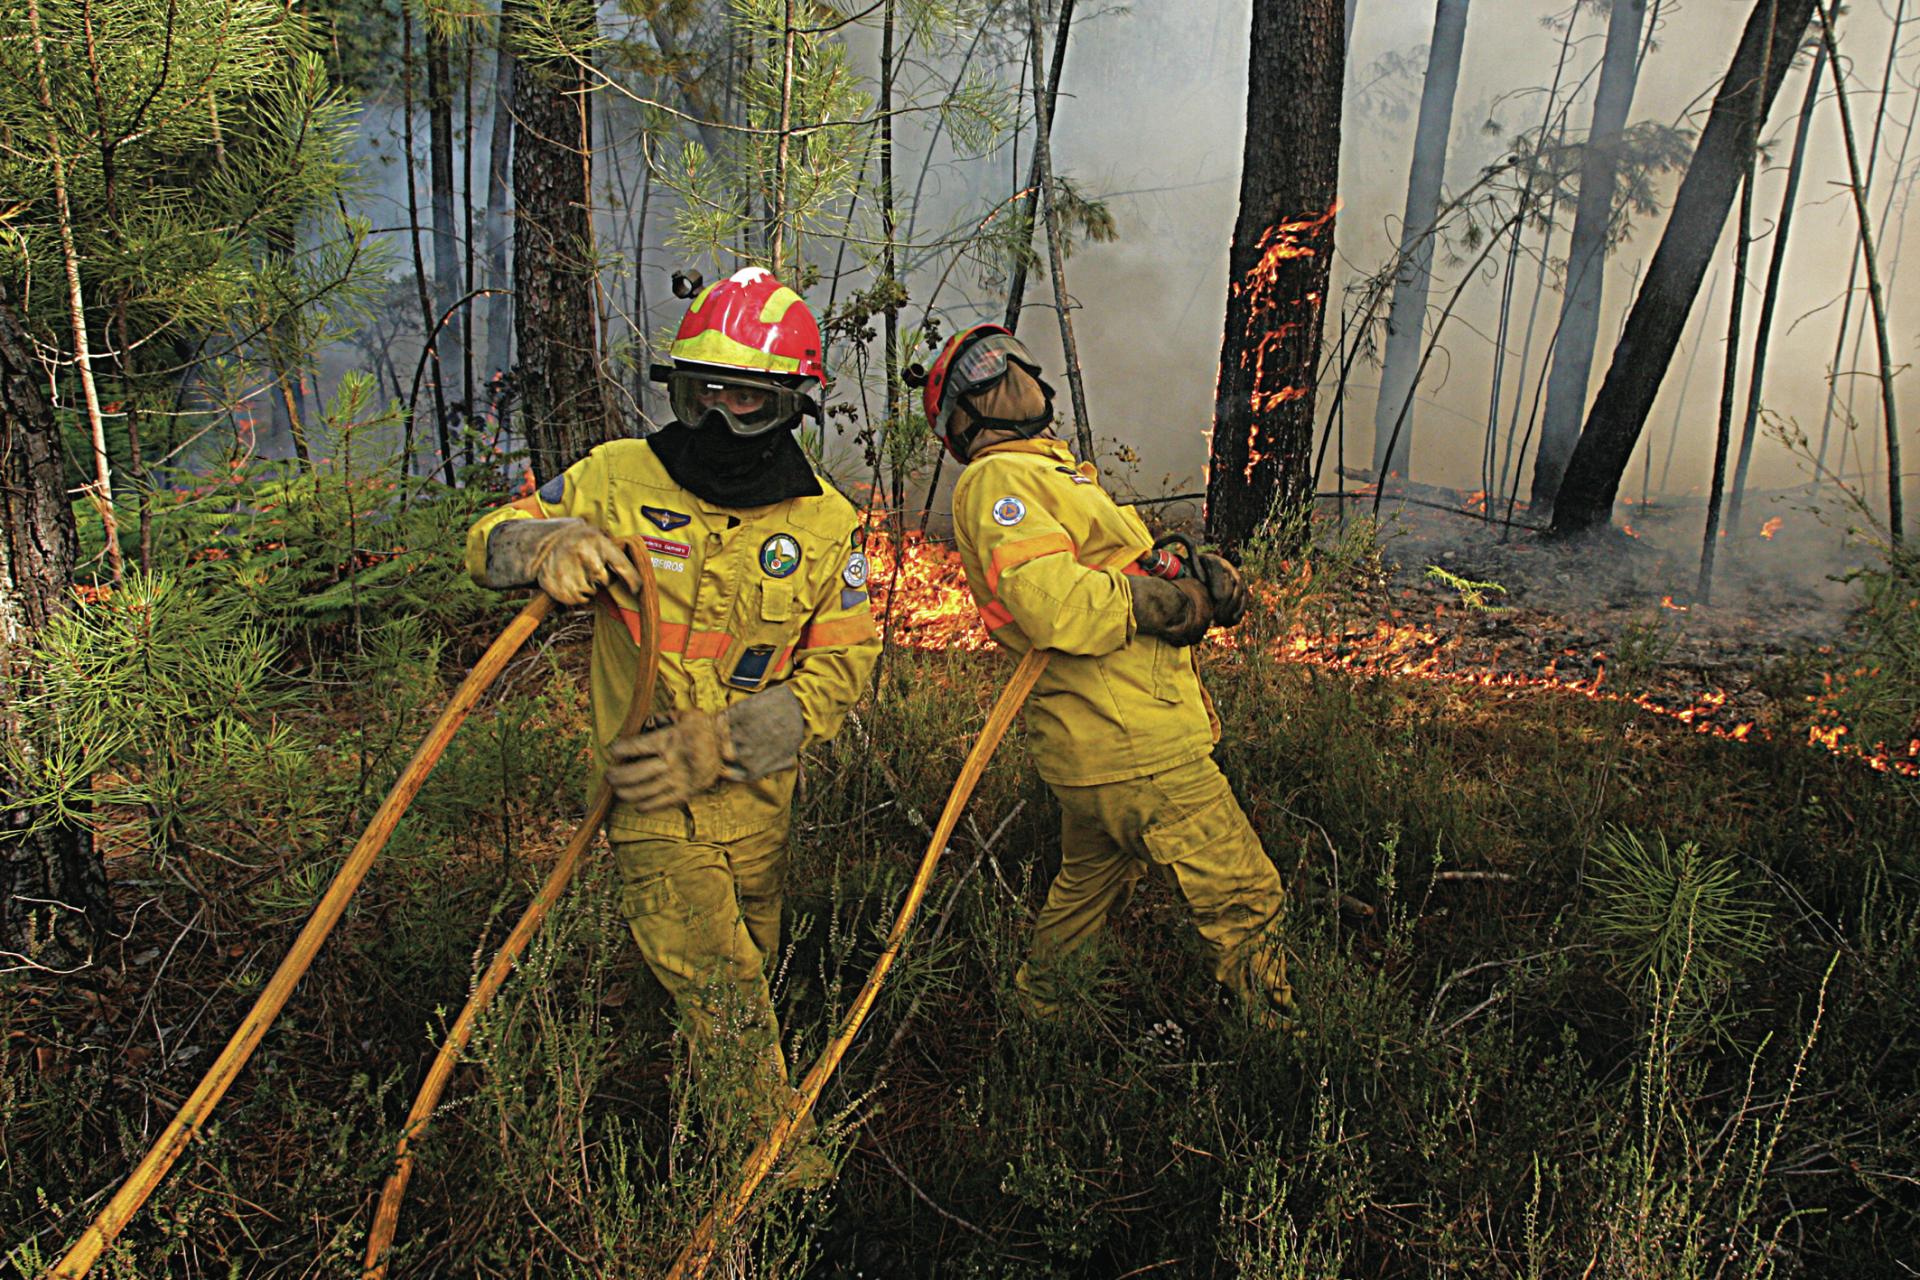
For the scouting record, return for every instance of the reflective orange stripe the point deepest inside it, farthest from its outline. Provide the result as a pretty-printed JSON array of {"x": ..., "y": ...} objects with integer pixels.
[
  {"x": 677, "y": 637},
  {"x": 848, "y": 630},
  {"x": 1009, "y": 554},
  {"x": 529, "y": 504},
  {"x": 995, "y": 615}
]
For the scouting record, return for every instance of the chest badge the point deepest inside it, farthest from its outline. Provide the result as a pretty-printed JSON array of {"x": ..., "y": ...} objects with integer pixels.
[
  {"x": 1073, "y": 475},
  {"x": 855, "y": 574},
  {"x": 1009, "y": 511},
  {"x": 664, "y": 520},
  {"x": 780, "y": 555}
]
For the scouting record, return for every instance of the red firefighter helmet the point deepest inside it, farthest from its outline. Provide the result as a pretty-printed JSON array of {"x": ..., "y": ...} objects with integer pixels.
[
  {"x": 974, "y": 360},
  {"x": 742, "y": 337}
]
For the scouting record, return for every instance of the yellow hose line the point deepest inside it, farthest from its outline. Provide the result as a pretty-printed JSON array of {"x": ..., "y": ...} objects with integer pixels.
[
  {"x": 386, "y": 1218},
  {"x": 693, "y": 1260},
  {"x": 185, "y": 1126}
]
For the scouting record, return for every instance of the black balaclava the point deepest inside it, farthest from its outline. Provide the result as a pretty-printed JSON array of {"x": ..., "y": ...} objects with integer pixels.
[{"x": 713, "y": 463}]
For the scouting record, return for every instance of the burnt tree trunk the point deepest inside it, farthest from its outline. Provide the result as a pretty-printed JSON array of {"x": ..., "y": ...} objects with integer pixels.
[
  {"x": 1699, "y": 212},
  {"x": 1260, "y": 459},
  {"x": 54, "y": 901},
  {"x": 563, "y": 406}
]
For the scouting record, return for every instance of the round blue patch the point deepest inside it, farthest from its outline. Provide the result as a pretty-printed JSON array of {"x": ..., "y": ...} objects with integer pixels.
[
  {"x": 780, "y": 555},
  {"x": 1009, "y": 511}
]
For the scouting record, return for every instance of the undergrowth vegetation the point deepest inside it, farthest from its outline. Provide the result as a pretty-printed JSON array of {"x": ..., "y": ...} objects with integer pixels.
[{"x": 1587, "y": 993}]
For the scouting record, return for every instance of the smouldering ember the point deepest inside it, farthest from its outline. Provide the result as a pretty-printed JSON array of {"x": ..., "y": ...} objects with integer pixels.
[{"x": 937, "y": 612}]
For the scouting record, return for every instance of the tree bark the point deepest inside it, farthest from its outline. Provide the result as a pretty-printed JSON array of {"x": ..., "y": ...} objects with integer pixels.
[
  {"x": 563, "y": 404},
  {"x": 1763, "y": 332},
  {"x": 1407, "y": 315},
  {"x": 55, "y": 906},
  {"x": 1056, "y": 254},
  {"x": 1260, "y": 456},
  {"x": 1699, "y": 212},
  {"x": 1587, "y": 256},
  {"x": 499, "y": 178},
  {"x": 1017, "y": 283},
  {"x": 449, "y": 342}
]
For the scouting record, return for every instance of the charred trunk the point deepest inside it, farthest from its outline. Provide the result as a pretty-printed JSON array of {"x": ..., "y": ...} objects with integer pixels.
[
  {"x": 1672, "y": 282},
  {"x": 55, "y": 906},
  {"x": 451, "y": 338},
  {"x": 1260, "y": 459},
  {"x": 563, "y": 405}
]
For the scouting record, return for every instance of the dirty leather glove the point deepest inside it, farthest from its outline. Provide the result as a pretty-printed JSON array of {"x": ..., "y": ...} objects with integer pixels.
[
  {"x": 752, "y": 739},
  {"x": 1177, "y": 612},
  {"x": 1225, "y": 590},
  {"x": 670, "y": 765},
  {"x": 568, "y": 558},
  {"x": 766, "y": 731}
]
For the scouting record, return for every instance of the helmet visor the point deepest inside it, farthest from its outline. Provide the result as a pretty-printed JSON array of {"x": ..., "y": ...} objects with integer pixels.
[
  {"x": 748, "y": 406},
  {"x": 980, "y": 366}
]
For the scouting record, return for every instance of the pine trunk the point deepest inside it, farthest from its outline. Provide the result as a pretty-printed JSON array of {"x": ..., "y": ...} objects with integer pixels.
[
  {"x": 55, "y": 905},
  {"x": 449, "y": 342},
  {"x": 1587, "y": 256},
  {"x": 1406, "y": 317},
  {"x": 1700, "y": 208},
  {"x": 563, "y": 404},
  {"x": 499, "y": 178},
  {"x": 1260, "y": 459}
]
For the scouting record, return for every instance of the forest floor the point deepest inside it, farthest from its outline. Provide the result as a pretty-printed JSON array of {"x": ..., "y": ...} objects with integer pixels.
[{"x": 1594, "y": 984}]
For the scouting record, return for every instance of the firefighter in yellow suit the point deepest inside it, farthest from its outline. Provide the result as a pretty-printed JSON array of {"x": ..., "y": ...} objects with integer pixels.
[
  {"x": 767, "y": 641},
  {"x": 1119, "y": 725}
]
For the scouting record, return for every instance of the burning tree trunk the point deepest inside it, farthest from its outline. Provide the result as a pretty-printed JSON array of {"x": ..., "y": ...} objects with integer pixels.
[
  {"x": 53, "y": 887},
  {"x": 1407, "y": 316},
  {"x": 1260, "y": 459},
  {"x": 1587, "y": 258},
  {"x": 563, "y": 404},
  {"x": 1699, "y": 212}
]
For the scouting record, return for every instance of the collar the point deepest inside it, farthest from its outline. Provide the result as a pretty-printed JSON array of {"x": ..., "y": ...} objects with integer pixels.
[{"x": 1055, "y": 449}]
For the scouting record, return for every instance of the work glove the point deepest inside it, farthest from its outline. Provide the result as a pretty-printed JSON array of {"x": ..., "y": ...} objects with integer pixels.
[
  {"x": 1226, "y": 592},
  {"x": 1178, "y": 612},
  {"x": 668, "y": 766},
  {"x": 569, "y": 559}
]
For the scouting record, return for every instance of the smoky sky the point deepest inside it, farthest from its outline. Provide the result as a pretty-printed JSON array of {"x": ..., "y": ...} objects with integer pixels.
[{"x": 1151, "y": 120}]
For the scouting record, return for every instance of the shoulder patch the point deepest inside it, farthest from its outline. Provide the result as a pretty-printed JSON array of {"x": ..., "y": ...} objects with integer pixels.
[
  {"x": 664, "y": 520},
  {"x": 855, "y": 574},
  {"x": 1009, "y": 511},
  {"x": 554, "y": 491}
]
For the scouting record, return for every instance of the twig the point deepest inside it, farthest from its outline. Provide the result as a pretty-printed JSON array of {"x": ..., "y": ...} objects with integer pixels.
[
  {"x": 946, "y": 914},
  {"x": 922, "y": 1196},
  {"x": 1433, "y": 1009}
]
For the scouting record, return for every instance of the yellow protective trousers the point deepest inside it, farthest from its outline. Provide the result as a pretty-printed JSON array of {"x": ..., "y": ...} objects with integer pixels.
[
  {"x": 707, "y": 918},
  {"x": 1185, "y": 823}
]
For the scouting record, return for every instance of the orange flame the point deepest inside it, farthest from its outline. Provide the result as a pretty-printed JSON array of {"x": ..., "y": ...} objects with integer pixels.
[{"x": 1771, "y": 527}]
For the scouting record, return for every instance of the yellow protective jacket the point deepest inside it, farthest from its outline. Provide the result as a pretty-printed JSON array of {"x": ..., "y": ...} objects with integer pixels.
[
  {"x": 749, "y": 598},
  {"x": 1047, "y": 555}
]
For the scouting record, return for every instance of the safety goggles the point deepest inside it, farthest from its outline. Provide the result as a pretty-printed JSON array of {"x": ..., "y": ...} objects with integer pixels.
[
  {"x": 980, "y": 366},
  {"x": 749, "y": 407}
]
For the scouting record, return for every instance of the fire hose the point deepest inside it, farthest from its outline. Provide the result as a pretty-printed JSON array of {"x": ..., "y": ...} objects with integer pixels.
[
  {"x": 386, "y": 1218},
  {"x": 185, "y": 1126},
  {"x": 693, "y": 1260}
]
